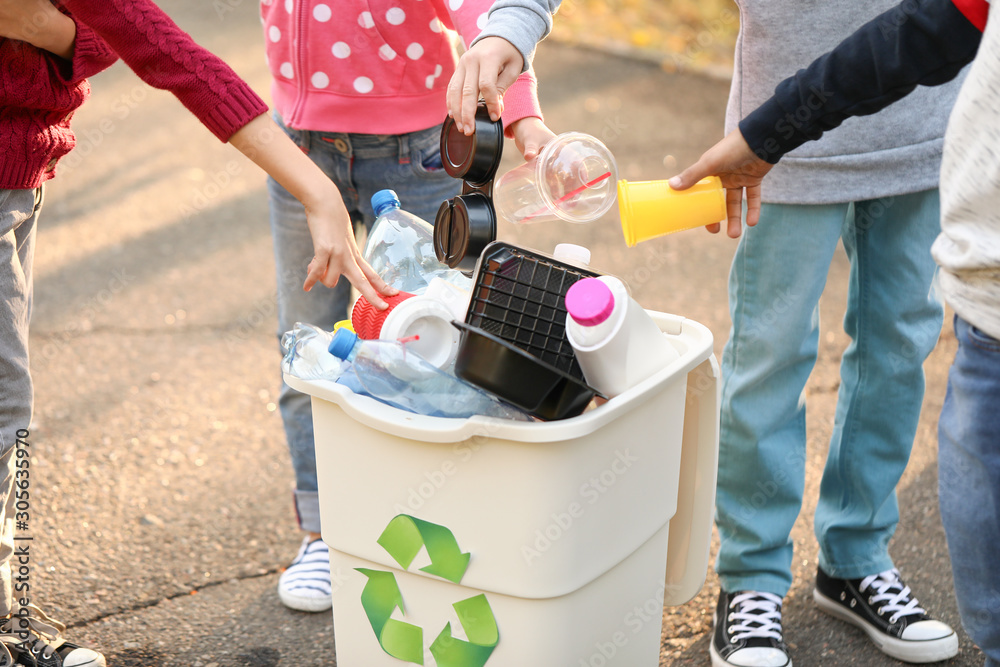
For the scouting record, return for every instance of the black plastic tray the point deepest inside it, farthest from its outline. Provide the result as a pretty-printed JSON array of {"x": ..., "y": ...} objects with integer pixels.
[
  {"x": 518, "y": 377},
  {"x": 519, "y": 296}
]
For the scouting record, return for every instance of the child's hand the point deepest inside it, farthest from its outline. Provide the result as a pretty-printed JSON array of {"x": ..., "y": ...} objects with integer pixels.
[
  {"x": 736, "y": 165},
  {"x": 337, "y": 252},
  {"x": 487, "y": 69},
  {"x": 39, "y": 23},
  {"x": 530, "y": 135}
]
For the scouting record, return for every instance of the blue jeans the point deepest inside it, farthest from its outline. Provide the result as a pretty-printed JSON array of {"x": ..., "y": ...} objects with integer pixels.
[
  {"x": 894, "y": 319},
  {"x": 360, "y": 165},
  {"x": 969, "y": 479}
]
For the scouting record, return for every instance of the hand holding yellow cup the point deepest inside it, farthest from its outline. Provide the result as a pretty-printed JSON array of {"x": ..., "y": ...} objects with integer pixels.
[{"x": 652, "y": 208}]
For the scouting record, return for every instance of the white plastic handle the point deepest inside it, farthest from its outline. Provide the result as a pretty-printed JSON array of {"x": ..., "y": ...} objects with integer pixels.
[{"x": 691, "y": 526}]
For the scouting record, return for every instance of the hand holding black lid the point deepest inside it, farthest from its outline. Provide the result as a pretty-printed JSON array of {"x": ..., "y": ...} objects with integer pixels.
[{"x": 468, "y": 223}]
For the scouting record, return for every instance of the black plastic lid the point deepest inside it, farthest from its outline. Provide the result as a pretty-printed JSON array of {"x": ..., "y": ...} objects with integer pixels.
[
  {"x": 473, "y": 158},
  {"x": 463, "y": 227}
]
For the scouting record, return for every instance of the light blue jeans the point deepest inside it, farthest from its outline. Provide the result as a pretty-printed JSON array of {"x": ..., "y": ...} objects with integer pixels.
[
  {"x": 360, "y": 165},
  {"x": 19, "y": 211},
  {"x": 969, "y": 481},
  {"x": 893, "y": 317}
]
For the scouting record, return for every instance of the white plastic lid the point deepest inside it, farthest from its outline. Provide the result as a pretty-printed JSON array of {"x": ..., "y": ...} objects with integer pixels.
[
  {"x": 572, "y": 253},
  {"x": 431, "y": 321}
]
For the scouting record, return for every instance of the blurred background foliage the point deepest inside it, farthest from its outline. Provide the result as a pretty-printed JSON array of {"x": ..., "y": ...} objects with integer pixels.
[{"x": 680, "y": 34}]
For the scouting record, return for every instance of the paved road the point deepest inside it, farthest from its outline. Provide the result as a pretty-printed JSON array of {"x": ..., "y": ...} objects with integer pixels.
[{"x": 161, "y": 482}]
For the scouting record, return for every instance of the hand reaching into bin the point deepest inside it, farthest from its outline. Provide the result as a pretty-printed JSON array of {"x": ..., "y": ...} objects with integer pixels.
[{"x": 335, "y": 249}]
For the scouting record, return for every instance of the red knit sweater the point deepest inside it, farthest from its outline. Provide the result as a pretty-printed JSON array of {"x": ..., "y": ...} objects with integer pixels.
[{"x": 40, "y": 91}]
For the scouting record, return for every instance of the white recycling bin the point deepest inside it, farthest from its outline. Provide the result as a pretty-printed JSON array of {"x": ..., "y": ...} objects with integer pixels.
[{"x": 471, "y": 542}]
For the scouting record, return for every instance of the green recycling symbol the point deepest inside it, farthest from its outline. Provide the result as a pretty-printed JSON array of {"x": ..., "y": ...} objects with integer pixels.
[{"x": 402, "y": 539}]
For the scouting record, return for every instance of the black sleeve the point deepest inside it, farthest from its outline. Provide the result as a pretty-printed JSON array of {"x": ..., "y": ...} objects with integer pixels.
[{"x": 919, "y": 42}]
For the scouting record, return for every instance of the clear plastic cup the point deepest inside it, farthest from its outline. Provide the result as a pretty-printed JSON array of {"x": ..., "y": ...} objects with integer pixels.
[
  {"x": 652, "y": 208},
  {"x": 572, "y": 179}
]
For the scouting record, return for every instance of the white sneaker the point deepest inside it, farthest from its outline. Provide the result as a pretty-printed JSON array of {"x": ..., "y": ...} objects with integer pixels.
[{"x": 305, "y": 585}]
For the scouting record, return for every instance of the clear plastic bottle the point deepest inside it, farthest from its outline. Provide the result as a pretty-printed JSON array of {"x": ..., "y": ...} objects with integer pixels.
[
  {"x": 615, "y": 341},
  {"x": 401, "y": 248},
  {"x": 307, "y": 357},
  {"x": 390, "y": 372},
  {"x": 307, "y": 354}
]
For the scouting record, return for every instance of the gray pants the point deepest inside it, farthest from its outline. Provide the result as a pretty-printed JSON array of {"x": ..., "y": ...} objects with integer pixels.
[{"x": 18, "y": 215}]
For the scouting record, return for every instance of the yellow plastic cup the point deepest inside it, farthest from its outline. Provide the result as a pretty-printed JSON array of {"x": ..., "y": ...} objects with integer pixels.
[{"x": 652, "y": 208}]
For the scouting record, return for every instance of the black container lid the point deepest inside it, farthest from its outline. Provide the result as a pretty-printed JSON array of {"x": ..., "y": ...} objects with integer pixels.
[
  {"x": 463, "y": 227},
  {"x": 474, "y": 158}
]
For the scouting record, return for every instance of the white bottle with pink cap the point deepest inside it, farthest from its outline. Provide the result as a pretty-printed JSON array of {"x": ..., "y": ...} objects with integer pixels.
[{"x": 616, "y": 342}]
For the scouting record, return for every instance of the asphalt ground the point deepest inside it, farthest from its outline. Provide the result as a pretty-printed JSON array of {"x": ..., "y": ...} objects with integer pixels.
[{"x": 161, "y": 485}]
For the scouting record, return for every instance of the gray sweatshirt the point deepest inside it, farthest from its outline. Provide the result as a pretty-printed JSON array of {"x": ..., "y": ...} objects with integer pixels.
[
  {"x": 523, "y": 23},
  {"x": 896, "y": 151},
  {"x": 868, "y": 72}
]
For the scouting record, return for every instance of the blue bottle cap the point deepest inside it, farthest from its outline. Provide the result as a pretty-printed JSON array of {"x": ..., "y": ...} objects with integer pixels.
[
  {"x": 343, "y": 342},
  {"x": 384, "y": 199}
]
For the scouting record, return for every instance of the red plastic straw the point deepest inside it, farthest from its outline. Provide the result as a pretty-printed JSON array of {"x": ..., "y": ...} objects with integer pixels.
[{"x": 571, "y": 193}]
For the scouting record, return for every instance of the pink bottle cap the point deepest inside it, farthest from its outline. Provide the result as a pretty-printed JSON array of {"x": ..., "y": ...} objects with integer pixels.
[{"x": 589, "y": 302}]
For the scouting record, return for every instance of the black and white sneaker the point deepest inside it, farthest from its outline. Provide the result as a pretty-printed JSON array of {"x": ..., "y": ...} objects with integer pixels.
[
  {"x": 37, "y": 641},
  {"x": 882, "y": 606},
  {"x": 748, "y": 631}
]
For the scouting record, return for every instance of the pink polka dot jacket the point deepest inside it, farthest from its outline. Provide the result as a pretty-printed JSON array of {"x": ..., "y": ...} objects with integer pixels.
[{"x": 373, "y": 66}]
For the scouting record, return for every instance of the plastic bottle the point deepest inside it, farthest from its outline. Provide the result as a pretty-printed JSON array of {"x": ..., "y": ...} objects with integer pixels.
[
  {"x": 401, "y": 248},
  {"x": 390, "y": 372},
  {"x": 307, "y": 356},
  {"x": 572, "y": 253},
  {"x": 615, "y": 341}
]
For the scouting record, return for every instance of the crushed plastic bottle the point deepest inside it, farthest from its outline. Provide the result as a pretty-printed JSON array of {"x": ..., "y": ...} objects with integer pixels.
[
  {"x": 390, "y": 372},
  {"x": 307, "y": 354},
  {"x": 307, "y": 357},
  {"x": 401, "y": 248}
]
